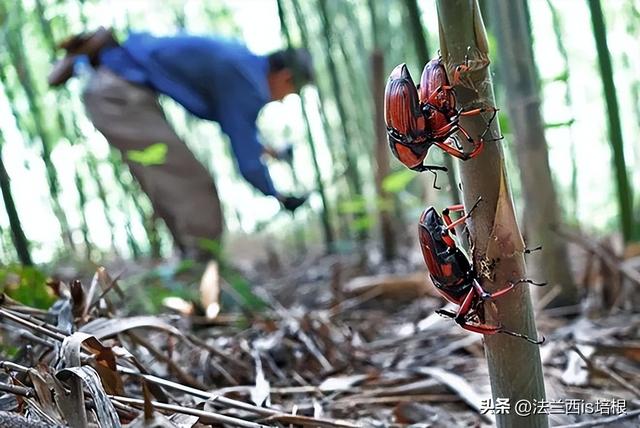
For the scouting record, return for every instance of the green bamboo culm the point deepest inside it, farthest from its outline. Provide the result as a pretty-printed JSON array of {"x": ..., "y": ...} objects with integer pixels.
[
  {"x": 20, "y": 241},
  {"x": 624, "y": 192},
  {"x": 386, "y": 201},
  {"x": 15, "y": 48},
  {"x": 64, "y": 131},
  {"x": 324, "y": 215},
  {"x": 519, "y": 74},
  {"x": 351, "y": 160},
  {"x": 493, "y": 226},
  {"x": 337, "y": 161},
  {"x": 568, "y": 99}
]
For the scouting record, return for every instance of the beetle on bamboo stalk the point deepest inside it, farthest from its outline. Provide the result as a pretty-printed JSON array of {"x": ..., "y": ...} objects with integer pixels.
[
  {"x": 418, "y": 118},
  {"x": 453, "y": 274}
]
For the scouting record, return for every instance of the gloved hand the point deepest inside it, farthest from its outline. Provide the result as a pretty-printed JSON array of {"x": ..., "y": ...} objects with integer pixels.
[
  {"x": 285, "y": 154},
  {"x": 291, "y": 202}
]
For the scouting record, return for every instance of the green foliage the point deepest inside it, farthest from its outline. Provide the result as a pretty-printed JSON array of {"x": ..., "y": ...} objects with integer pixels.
[
  {"x": 363, "y": 223},
  {"x": 398, "y": 181},
  {"x": 356, "y": 205},
  {"x": 155, "y": 154},
  {"x": 505, "y": 127},
  {"x": 159, "y": 283},
  {"x": 8, "y": 352},
  {"x": 242, "y": 288},
  {"x": 27, "y": 285},
  {"x": 239, "y": 284}
]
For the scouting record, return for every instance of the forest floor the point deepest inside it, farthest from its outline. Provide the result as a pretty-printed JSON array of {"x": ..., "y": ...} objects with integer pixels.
[{"x": 335, "y": 344}]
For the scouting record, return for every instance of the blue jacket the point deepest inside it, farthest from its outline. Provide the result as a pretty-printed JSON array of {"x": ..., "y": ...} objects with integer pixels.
[{"x": 214, "y": 79}]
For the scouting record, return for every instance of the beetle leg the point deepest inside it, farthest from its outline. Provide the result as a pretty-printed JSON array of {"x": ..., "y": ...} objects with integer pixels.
[
  {"x": 432, "y": 169},
  {"x": 489, "y": 122},
  {"x": 447, "y": 218},
  {"x": 453, "y": 151},
  {"x": 479, "y": 110},
  {"x": 451, "y": 225},
  {"x": 465, "y": 306},
  {"x": 492, "y": 329},
  {"x": 446, "y": 131},
  {"x": 510, "y": 285},
  {"x": 488, "y": 329},
  {"x": 437, "y": 92},
  {"x": 477, "y": 144},
  {"x": 442, "y": 134}
]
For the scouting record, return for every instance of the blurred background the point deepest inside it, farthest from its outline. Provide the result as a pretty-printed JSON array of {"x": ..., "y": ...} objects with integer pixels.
[
  {"x": 75, "y": 200},
  {"x": 333, "y": 300}
]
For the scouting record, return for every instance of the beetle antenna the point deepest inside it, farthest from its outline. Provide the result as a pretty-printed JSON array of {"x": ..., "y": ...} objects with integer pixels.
[
  {"x": 530, "y": 281},
  {"x": 474, "y": 206},
  {"x": 523, "y": 336},
  {"x": 435, "y": 179},
  {"x": 531, "y": 250}
]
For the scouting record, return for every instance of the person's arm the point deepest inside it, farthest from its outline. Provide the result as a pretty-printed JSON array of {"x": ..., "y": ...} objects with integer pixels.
[{"x": 248, "y": 151}]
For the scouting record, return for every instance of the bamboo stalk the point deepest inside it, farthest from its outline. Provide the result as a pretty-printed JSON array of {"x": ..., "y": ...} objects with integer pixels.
[
  {"x": 568, "y": 99},
  {"x": 352, "y": 172},
  {"x": 20, "y": 240},
  {"x": 336, "y": 160},
  {"x": 385, "y": 200},
  {"x": 16, "y": 51},
  {"x": 324, "y": 215},
  {"x": 493, "y": 227},
  {"x": 519, "y": 74},
  {"x": 624, "y": 192}
]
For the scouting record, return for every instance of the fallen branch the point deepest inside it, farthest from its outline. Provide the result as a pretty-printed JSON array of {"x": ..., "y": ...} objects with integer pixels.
[{"x": 207, "y": 416}]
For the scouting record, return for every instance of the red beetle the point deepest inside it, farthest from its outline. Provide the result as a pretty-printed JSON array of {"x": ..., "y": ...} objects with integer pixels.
[
  {"x": 416, "y": 121},
  {"x": 453, "y": 274}
]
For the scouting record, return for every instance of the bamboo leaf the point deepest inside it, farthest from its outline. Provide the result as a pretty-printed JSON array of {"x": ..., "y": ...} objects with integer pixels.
[
  {"x": 155, "y": 154},
  {"x": 398, "y": 181}
]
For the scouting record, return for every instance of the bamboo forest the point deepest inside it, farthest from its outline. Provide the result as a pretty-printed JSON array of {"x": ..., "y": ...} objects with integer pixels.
[{"x": 320, "y": 213}]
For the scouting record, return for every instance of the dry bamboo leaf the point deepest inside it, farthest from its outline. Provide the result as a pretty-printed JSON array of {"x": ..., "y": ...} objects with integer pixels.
[
  {"x": 107, "y": 415},
  {"x": 311, "y": 422},
  {"x": 150, "y": 418},
  {"x": 71, "y": 404},
  {"x": 260, "y": 393},
  {"x": 106, "y": 327},
  {"x": 92, "y": 291},
  {"x": 341, "y": 383},
  {"x": 458, "y": 385},
  {"x": 414, "y": 285},
  {"x": 178, "y": 304},
  {"x": 43, "y": 393},
  {"x": 64, "y": 315},
  {"x": 184, "y": 421},
  {"x": 413, "y": 413},
  {"x": 105, "y": 360},
  {"x": 210, "y": 290},
  {"x": 156, "y": 421},
  {"x": 576, "y": 373},
  {"x": 14, "y": 420}
]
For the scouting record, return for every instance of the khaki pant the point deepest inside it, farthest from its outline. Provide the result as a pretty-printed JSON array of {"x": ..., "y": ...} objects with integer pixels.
[{"x": 181, "y": 190}]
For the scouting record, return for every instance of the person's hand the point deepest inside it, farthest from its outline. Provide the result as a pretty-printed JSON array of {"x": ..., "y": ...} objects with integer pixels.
[
  {"x": 291, "y": 202},
  {"x": 285, "y": 154}
]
